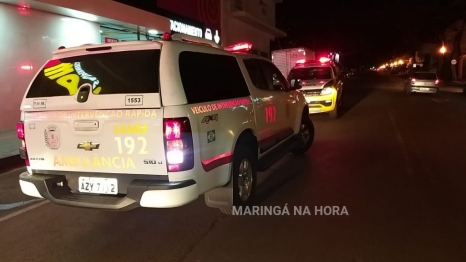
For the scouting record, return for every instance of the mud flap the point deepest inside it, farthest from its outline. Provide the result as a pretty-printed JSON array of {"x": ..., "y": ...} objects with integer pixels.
[{"x": 221, "y": 198}]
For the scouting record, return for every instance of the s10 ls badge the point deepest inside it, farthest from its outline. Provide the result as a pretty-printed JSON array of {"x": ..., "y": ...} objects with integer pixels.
[
  {"x": 208, "y": 119},
  {"x": 152, "y": 162}
]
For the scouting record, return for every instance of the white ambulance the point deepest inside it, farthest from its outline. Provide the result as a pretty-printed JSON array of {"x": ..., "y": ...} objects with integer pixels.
[{"x": 157, "y": 124}]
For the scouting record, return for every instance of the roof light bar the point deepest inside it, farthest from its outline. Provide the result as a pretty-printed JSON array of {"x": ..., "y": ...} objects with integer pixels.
[
  {"x": 240, "y": 47},
  {"x": 166, "y": 36},
  {"x": 324, "y": 60}
]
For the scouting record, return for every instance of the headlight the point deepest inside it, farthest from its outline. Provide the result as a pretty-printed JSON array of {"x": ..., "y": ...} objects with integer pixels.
[{"x": 327, "y": 91}]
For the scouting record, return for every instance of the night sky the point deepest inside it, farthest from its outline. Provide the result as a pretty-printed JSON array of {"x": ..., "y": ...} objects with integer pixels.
[{"x": 365, "y": 32}]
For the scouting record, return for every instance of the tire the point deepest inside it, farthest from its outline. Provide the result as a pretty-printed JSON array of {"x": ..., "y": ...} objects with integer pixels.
[
  {"x": 334, "y": 113},
  {"x": 244, "y": 172},
  {"x": 340, "y": 101},
  {"x": 408, "y": 90},
  {"x": 306, "y": 124}
]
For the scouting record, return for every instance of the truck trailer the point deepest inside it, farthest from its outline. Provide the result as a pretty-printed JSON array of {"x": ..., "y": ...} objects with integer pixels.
[{"x": 285, "y": 59}]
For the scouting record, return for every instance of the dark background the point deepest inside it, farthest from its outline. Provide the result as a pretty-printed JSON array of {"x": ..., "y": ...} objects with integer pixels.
[{"x": 365, "y": 32}]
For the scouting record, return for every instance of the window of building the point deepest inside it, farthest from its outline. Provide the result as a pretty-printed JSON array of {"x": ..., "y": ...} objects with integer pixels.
[
  {"x": 238, "y": 5},
  {"x": 263, "y": 7}
]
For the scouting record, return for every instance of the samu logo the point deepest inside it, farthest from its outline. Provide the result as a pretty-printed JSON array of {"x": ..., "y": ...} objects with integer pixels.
[{"x": 152, "y": 162}]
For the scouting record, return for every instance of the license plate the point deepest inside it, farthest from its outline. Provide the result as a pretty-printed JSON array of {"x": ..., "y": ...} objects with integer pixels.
[
  {"x": 425, "y": 89},
  {"x": 98, "y": 185}
]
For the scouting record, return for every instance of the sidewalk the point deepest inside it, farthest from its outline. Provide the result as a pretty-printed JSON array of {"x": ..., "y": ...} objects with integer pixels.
[
  {"x": 9, "y": 144},
  {"x": 9, "y": 151}
]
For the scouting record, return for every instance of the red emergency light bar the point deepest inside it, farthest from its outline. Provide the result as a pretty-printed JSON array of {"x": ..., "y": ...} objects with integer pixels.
[
  {"x": 241, "y": 47},
  {"x": 324, "y": 60},
  {"x": 166, "y": 36}
]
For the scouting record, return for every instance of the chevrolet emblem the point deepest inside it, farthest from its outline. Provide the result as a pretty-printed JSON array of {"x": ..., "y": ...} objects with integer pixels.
[{"x": 88, "y": 146}]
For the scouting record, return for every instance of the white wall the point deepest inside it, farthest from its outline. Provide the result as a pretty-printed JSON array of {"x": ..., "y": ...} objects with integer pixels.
[
  {"x": 29, "y": 38},
  {"x": 114, "y": 10}
]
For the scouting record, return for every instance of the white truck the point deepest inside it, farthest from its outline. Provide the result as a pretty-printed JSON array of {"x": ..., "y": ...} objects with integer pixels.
[
  {"x": 285, "y": 59},
  {"x": 156, "y": 124}
]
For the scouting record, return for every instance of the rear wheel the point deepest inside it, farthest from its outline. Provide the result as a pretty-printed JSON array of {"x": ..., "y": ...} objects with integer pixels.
[
  {"x": 244, "y": 172},
  {"x": 306, "y": 135},
  {"x": 408, "y": 90}
]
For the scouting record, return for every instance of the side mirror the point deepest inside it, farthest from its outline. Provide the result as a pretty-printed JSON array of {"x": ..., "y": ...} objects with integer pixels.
[{"x": 295, "y": 84}]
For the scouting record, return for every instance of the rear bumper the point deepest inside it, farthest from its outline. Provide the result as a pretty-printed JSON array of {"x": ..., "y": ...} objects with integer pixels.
[
  {"x": 140, "y": 193},
  {"x": 424, "y": 89}
]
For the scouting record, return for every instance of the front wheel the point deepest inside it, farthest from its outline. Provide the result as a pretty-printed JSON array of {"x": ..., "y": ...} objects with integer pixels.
[
  {"x": 244, "y": 172},
  {"x": 306, "y": 135},
  {"x": 334, "y": 113}
]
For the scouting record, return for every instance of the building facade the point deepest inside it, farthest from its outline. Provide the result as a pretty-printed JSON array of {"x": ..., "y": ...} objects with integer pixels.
[
  {"x": 250, "y": 21},
  {"x": 33, "y": 29},
  {"x": 454, "y": 59}
]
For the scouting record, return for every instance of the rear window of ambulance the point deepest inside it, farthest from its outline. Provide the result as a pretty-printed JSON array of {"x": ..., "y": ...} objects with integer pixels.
[{"x": 129, "y": 72}]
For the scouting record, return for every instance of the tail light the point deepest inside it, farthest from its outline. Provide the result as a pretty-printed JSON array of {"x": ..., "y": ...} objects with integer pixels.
[
  {"x": 22, "y": 137},
  {"x": 178, "y": 144},
  {"x": 413, "y": 80},
  {"x": 437, "y": 82}
]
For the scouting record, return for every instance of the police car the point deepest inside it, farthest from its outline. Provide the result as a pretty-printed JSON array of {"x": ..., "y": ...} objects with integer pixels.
[
  {"x": 321, "y": 84},
  {"x": 157, "y": 124}
]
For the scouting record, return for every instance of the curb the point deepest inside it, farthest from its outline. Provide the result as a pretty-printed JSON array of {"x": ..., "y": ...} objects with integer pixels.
[{"x": 10, "y": 163}]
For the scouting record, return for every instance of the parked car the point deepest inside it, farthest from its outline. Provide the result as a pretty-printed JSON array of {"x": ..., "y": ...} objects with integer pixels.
[
  {"x": 321, "y": 83},
  {"x": 422, "y": 82}
]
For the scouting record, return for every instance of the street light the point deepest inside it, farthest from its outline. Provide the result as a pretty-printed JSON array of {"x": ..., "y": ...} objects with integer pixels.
[{"x": 443, "y": 50}]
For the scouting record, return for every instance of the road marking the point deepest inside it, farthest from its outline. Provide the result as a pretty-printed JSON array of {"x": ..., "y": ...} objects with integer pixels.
[
  {"x": 401, "y": 142},
  {"x": 424, "y": 164},
  {"x": 4, "y": 207},
  {"x": 17, "y": 213}
]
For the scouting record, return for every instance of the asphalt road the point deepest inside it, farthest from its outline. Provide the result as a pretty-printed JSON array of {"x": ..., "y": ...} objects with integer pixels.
[{"x": 396, "y": 163}]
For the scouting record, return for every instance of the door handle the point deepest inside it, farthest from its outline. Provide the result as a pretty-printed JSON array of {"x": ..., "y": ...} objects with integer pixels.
[{"x": 86, "y": 125}]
